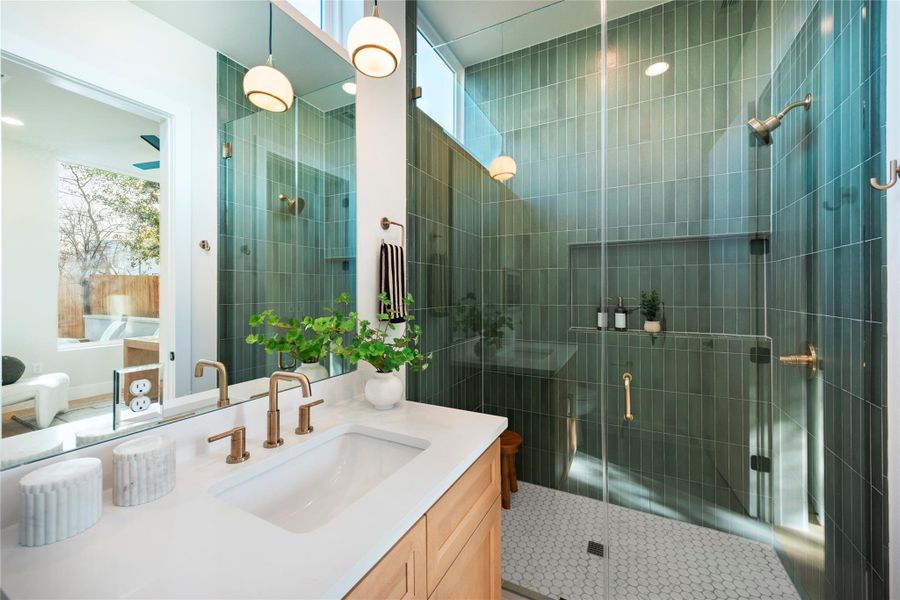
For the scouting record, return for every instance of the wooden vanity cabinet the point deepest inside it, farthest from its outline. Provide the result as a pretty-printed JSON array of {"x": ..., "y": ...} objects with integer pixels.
[
  {"x": 476, "y": 571},
  {"x": 453, "y": 552},
  {"x": 400, "y": 574}
]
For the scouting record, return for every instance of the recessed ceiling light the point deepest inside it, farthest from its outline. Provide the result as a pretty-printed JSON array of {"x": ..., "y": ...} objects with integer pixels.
[
  {"x": 349, "y": 87},
  {"x": 11, "y": 121},
  {"x": 657, "y": 68}
]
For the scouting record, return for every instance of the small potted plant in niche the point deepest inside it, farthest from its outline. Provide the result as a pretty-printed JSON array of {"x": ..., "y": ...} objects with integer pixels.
[
  {"x": 386, "y": 352},
  {"x": 307, "y": 340},
  {"x": 652, "y": 311}
]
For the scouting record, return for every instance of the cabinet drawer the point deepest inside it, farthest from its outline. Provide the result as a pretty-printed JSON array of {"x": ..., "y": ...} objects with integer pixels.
[
  {"x": 475, "y": 574},
  {"x": 400, "y": 574},
  {"x": 453, "y": 519}
]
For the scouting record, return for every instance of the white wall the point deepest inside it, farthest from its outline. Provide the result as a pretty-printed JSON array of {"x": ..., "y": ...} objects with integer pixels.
[
  {"x": 892, "y": 119},
  {"x": 380, "y": 162},
  {"x": 122, "y": 50},
  {"x": 30, "y": 273}
]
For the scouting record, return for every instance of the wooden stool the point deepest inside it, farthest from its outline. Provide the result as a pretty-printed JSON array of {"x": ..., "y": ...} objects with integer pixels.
[{"x": 509, "y": 446}]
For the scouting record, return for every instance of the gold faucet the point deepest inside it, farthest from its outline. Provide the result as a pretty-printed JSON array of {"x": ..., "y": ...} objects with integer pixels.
[
  {"x": 273, "y": 416},
  {"x": 223, "y": 378}
]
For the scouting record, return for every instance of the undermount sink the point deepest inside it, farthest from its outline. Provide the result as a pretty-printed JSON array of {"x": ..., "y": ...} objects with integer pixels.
[{"x": 307, "y": 486}]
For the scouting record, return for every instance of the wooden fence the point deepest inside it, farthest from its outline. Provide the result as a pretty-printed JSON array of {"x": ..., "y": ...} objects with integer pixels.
[{"x": 136, "y": 295}]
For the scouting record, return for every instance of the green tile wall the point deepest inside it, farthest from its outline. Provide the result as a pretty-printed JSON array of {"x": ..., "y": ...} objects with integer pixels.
[
  {"x": 269, "y": 257},
  {"x": 827, "y": 286},
  {"x": 445, "y": 191}
]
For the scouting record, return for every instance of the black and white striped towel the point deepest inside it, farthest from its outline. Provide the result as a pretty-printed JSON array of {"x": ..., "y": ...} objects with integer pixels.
[{"x": 393, "y": 281}]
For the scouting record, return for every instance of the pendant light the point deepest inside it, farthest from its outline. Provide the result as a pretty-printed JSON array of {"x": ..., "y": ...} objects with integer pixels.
[
  {"x": 374, "y": 46},
  {"x": 502, "y": 168},
  {"x": 267, "y": 87}
]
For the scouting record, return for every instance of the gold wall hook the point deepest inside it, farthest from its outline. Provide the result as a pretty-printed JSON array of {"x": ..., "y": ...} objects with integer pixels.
[
  {"x": 627, "y": 379},
  {"x": 893, "y": 173},
  {"x": 809, "y": 360}
]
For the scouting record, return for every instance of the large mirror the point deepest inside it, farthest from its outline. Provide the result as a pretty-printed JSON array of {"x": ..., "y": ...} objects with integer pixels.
[{"x": 144, "y": 223}]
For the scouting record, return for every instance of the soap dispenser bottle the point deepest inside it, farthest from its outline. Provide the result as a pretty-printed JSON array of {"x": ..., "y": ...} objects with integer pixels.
[
  {"x": 621, "y": 316},
  {"x": 602, "y": 317}
]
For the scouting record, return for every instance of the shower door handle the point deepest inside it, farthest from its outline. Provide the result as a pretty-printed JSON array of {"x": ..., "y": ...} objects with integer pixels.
[
  {"x": 893, "y": 172},
  {"x": 627, "y": 379}
]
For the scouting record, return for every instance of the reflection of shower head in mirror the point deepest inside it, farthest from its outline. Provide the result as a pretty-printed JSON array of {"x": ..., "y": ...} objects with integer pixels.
[{"x": 763, "y": 129}]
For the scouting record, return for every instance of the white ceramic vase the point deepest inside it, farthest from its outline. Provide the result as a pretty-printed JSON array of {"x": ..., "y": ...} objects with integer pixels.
[
  {"x": 384, "y": 390},
  {"x": 313, "y": 371},
  {"x": 652, "y": 326}
]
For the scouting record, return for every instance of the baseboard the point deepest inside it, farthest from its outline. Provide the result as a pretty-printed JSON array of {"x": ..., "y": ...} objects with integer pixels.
[{"x": 77, "y": 392}]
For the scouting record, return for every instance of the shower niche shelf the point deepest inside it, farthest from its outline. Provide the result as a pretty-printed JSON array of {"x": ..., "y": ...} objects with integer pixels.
[{"x": 755, "y": 235}]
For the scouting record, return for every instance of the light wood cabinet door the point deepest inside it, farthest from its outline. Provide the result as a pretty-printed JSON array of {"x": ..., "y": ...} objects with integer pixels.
[
  {"x": 453, "y": 519},
  {"x": 400, "y": 574},
  {"x": 475, "y": 574}
]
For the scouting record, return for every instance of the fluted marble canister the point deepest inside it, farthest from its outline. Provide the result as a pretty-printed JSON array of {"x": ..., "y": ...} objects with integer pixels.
[
  {"x": 60, "y": 500},
  {"x": 143, "y": 470}
]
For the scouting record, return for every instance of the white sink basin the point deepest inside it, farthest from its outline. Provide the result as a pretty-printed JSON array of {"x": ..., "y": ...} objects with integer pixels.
[{"x": 306, "y": 487}]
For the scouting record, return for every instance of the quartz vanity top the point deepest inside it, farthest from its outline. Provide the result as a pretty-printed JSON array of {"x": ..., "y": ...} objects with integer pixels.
[{"x": 190, "y": 544}]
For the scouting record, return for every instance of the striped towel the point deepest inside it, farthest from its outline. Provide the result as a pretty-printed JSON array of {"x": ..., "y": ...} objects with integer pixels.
[{"x": 393, "y": 281}]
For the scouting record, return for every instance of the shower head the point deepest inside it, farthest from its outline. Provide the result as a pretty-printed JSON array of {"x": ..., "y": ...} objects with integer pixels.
[{"x": 763, "y": 129}]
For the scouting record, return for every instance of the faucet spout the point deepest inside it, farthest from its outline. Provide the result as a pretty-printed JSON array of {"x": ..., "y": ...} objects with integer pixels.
[
  {"x": 204, "y": 364},
  {"x": 273, "y": 415}
]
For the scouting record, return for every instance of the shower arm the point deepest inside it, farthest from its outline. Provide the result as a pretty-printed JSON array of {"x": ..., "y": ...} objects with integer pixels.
[{"x": 804, "y": 103}]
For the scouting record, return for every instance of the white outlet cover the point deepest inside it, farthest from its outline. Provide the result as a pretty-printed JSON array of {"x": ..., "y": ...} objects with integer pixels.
[
  {"x": 139, "y": 387},
  {"x": 139, "y": 404}
]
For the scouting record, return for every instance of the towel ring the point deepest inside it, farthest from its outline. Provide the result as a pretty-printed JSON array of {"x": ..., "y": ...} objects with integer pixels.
[{"x": 386, "y": 224}]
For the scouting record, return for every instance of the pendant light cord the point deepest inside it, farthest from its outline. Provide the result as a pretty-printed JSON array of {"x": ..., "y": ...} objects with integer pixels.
[{"x": 270, "y": 31}]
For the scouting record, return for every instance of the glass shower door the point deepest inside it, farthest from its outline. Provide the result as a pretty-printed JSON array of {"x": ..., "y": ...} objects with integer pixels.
[
  {"x": 687, "y": 221},
  {"x": 259, "y": 229},
  {"x": 759, "y": 410}
]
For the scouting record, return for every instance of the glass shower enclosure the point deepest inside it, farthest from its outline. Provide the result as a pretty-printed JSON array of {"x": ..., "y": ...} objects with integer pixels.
[
  {"x": 747, "y": 464},
  {"x": 287, "y": 218}
]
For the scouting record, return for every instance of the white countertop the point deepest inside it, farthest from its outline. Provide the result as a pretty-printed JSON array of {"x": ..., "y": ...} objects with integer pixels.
[{"x": 190, "y": 544}]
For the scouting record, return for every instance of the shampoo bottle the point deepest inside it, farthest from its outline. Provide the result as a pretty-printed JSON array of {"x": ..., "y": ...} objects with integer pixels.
[{"x": 621, "y": 322}]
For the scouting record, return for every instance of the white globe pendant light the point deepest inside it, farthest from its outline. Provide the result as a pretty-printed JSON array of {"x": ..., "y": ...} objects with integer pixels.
[
  {"x": 267, "y": 87},
  {"x": 502, "y": 168},
  {"x": 374, "y": 46}
]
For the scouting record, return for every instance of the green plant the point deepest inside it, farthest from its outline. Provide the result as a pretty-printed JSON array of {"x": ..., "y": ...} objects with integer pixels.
[
  {"x": 307, "y": 340},
  {"x": 650, "y": 305},
  {"x": 378, "y": 347},
  {"x": 491, "y": 323}
]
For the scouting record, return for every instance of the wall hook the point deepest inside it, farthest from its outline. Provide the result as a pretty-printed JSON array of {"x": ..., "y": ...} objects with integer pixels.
[{"x": 893, "y": 172}]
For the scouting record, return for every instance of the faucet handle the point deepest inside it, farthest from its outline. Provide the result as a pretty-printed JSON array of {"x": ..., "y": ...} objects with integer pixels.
[
  {"x": 304, "y": 427},
  {"x": 238, "y": 444}
]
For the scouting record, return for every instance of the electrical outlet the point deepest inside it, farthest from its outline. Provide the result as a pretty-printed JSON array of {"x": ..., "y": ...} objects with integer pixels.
[
  {"x": 139, "y": 404},
  {"x": 37, "y": 368}
]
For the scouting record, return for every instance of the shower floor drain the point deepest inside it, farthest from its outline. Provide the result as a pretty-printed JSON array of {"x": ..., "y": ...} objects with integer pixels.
[{"x": 596, "y": 548}]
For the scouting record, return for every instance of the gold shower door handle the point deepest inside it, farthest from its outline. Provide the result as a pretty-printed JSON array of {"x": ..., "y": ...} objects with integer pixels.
[
  {"x": 809, "y": 360},
  {"x": 627, "y": 379}
]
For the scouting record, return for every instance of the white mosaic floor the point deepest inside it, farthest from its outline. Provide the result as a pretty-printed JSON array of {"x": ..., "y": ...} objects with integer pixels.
[{"x": 545, "y": 536}]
